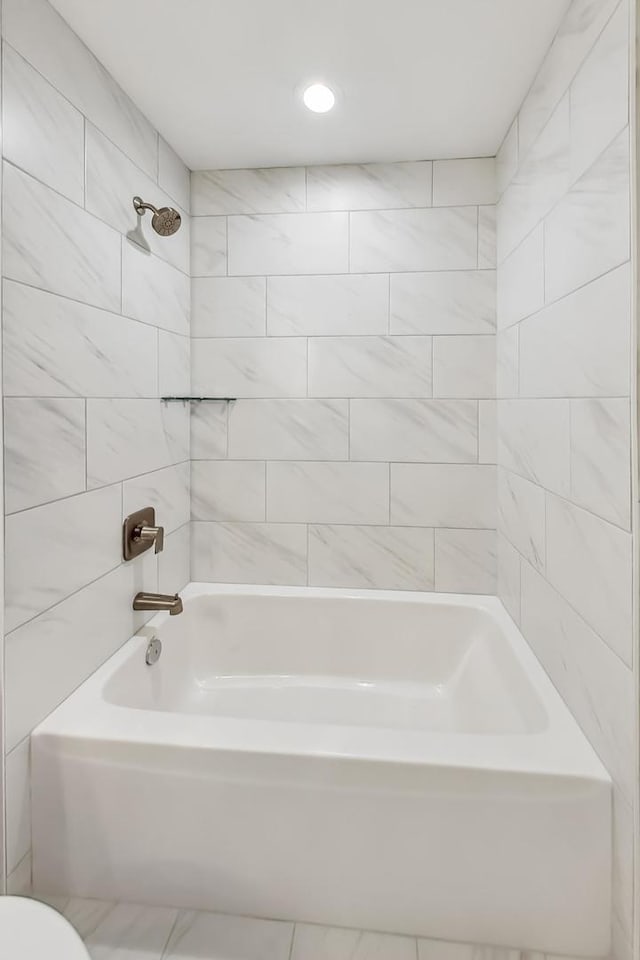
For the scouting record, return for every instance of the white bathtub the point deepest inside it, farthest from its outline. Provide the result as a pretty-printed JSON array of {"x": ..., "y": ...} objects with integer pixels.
[{"x": 394, "y": 762}]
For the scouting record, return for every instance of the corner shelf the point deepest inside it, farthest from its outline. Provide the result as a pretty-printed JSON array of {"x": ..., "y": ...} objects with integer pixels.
[{"x": 198, "y": 399}]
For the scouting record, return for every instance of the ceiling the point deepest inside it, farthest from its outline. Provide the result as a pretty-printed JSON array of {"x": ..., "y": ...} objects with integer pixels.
[{"x": 415, "y": 79}]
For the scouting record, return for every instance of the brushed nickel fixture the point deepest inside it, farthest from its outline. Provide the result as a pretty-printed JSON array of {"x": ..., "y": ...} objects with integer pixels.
[
  {"x": 139, "y": 532},
  {"x": 158, "y": 601},
  {"x": 154, "y": 649},
  {"x": 165, "y": 220},
  {"x": 198, "y": 399}
]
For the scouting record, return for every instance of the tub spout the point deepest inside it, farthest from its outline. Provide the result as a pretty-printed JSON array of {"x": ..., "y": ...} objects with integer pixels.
[{"x": 158, "y": 601}]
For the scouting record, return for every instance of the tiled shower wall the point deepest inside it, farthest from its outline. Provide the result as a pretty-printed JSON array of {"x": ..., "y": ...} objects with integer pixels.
[
  {"x": 95, "y": 330},
  {"x": 564, "y": 387},
  {"x": 351, "y": 312}
]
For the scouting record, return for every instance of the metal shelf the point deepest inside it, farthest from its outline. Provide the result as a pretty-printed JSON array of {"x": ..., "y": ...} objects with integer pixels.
[{"x": 198, "y": 399}]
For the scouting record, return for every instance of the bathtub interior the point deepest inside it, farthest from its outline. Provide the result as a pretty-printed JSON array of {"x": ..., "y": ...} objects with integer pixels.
[{"x": 350, "y": 661}]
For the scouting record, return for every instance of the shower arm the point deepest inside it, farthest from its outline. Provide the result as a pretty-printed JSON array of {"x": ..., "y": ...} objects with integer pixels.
[{"x": 140, "y": 206}]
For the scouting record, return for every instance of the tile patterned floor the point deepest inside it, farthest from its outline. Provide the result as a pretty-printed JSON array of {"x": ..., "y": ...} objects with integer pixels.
[{"x": 125, "y": 931}]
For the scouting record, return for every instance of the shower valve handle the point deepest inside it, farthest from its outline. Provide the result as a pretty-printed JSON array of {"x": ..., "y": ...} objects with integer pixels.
[{"x": 154, "y": 535}]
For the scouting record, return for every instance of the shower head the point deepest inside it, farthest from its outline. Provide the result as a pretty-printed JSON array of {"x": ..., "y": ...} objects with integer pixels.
[{"x": 165, "y": 221}]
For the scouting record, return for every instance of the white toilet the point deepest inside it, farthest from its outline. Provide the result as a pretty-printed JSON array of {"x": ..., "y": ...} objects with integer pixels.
[{"x": 30, "y": 930}]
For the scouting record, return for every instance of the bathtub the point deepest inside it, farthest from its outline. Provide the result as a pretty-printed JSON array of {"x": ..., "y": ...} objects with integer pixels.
[{"x": 389, "y": 761}]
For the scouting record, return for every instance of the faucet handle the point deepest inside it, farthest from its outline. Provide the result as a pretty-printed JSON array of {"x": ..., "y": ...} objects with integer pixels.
[
  {"x": 150, "y": 535},
  {"x": 139, "y": 533}
]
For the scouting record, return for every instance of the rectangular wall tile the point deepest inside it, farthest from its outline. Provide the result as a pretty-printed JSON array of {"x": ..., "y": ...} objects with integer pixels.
[
  {"x": 174, "y": 563},
  {"x": 384, "y": 558},
  {"x": 209, "y": 430},
  {"x": 601, "y": 458},
  {"x": 227, "y": 490},
  {"x": 249, "y": 367},
  {"x": 521, "y": 280},
  {"x": 465, "y": 561},
  {"x": 370, "y": 367},
  {"x": 328, "y": 493},
  {"x": 443, "y": 495},
  {"x": 397, "y": 240},
  {"x": 542, "y": 178},
  {"x": 174, "y": 364},
  {"x": 446, "y": 302},
  {"x": 589, "y": 563},
  {"x": 567, "y": 351},
  {"x": 289, "y": 430},
  {"x": 36, "y": 578},
  {"x": 487, "y": 431},
  {"x": 464, "y": 366},
  {"x": 600, "y": 94},
  {"x": 588, "y": 232},
  {"x": 522, "y": 516},
  {"x": 487, "y": 238},
  {"x": 534, "y": 441},
  {"x": 153, "y": 291},
  {"x": 249, "y": 552},
  {"x": 42, "y": 133},
  {"x": 270, "y": 190},
  {"x": 51, "y": 243},
  {"x": 60, "y": 56},
  {"x": 328, "y": 306},
  {"x": 508, "y": 362},
  {"x": 44, "y": 450},
  {"x": 288, "y": 243},
  {"x": 444, "y": 431},
  {"x": 54, "y": 347},
  {"x": 371, "y": 186},
  {"x": 126, "y": 438},
  {"x": 228, "y": 307},
  {"x": 460, "y": 182},
  {"x": 208, "y": 246},
  {"x": 509, "y": 577}
]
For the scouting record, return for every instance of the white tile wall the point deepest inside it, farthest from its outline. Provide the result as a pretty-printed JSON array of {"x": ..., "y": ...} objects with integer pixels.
[
  {"x": 402, "y": 240},
  {"x": 351, "y": 310},
  {"x": 328, "y": 306},
  {"x": 288, "y": 243},
  {"x": 94, "y": 330},
  {"x": 564, "y": 409},
  {"x": 42, "y": 132}
]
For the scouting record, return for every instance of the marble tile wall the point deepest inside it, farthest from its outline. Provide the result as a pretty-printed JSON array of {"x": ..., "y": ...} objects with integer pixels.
[
  {"x": 564, "y": 375},
  {"x": 95, "y": 330},
  {"x": 351, "y": 312}
]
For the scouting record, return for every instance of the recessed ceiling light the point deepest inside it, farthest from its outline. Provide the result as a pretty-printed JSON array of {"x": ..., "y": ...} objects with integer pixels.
[{"x": 318, "y": 98}]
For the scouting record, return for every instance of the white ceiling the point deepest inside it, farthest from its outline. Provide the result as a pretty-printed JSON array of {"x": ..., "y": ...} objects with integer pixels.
[{"x": 415, "y": 79}]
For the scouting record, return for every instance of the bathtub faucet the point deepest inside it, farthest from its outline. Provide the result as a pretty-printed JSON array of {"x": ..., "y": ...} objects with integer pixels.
[{"x": 158, "y": 601}]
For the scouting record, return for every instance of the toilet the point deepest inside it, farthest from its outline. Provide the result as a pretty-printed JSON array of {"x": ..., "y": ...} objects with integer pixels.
[{"x": 30, "y": 930}]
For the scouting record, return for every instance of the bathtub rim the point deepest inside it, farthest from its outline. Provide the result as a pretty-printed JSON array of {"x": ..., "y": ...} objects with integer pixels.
[{"x": 561, "y": 749}]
